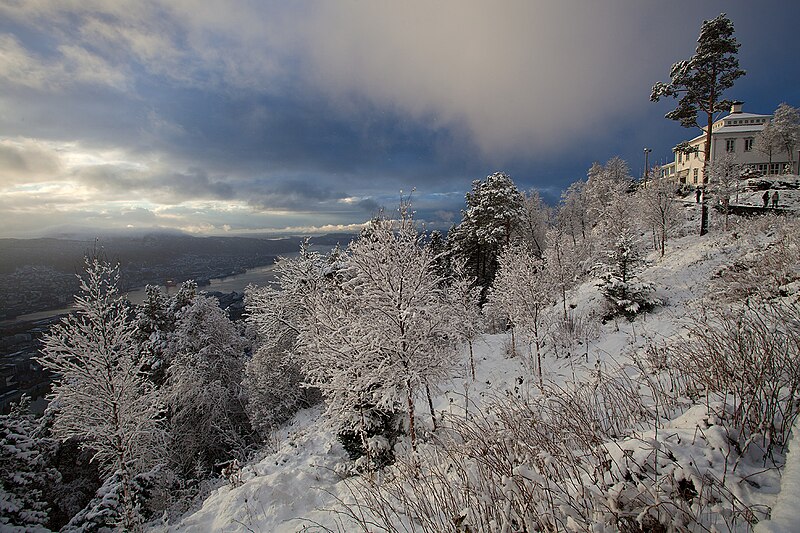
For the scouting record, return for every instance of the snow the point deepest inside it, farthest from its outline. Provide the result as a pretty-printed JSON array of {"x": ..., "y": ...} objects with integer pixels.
[
  {"x": 298, "y": 487},
  {"x": 785, "y": 516}
]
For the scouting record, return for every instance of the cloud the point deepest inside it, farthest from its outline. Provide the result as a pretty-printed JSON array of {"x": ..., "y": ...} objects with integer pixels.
[
  {"x": 121, "y": 181},
  {"x": 71, "y": 65},
  {"x": 517, "y": 75},
  {"x": 26, "y": 161}
]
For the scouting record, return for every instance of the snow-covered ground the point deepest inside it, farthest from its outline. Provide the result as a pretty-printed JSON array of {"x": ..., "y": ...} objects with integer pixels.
[{"x": 298, "y": 487}]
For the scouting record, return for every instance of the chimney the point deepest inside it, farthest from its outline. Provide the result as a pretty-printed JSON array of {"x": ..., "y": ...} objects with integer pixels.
[{"x": 736, "y": 107}]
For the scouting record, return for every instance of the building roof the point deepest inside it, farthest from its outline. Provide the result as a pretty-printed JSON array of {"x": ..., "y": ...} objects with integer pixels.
[
  {"x": 755, "y": 128},
  {"x": 742, "y": 116},
  {"x": 721, "y": 128}
]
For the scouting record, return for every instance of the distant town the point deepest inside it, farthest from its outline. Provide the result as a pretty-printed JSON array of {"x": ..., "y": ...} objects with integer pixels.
[{"x": 38, "y": 275}]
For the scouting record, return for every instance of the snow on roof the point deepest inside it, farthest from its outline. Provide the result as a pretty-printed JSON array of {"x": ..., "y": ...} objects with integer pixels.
[
  {"x": 744, "y": 116},
  {"x": 739, "y": 129}
]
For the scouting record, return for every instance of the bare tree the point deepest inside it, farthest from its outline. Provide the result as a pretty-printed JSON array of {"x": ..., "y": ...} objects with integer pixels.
[
  {"x": 725, "y": 173},
  {"x": 659, "y": 209},
  {"x": 786, "y": 121},
  {"x": 520, "y": 293},
  {"x": 768, "y": 142},
  {"x": 379, "y": 331}
]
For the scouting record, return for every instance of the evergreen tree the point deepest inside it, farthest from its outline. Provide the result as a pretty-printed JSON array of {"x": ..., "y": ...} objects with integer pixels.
[
  {"x": 24, "y": 473},
  {"x": 625, "y": 294},
  {"x": 493, "y": 214},
  {"x": 700, "y": 81}
]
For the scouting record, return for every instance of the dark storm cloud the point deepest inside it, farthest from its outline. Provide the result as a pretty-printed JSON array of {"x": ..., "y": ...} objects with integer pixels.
[
  {"x": 329, "y": 109},
  {"x": 171, "y": 187},
  {"x": 290, "y": 194}
]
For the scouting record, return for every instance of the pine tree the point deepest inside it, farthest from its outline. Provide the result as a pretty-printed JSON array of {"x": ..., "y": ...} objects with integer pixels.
[
  {"x": 699, "y": 83},
  {"x": 624, "y": 293},
  {"x": 494, "y": 212},
  {"x": 24, "y": 473},
  {"x": 98, "y": 395}
]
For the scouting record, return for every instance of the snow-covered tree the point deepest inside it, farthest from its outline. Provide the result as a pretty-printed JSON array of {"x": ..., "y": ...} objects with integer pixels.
[
  {"x": 153, "y": 324},
  {"x": 24, "y": 473},
  {"x": 464, "y": 300},
  {"x": 103, "y": 513},
  {"x": 273, "y": 378},
  {"x": 535, "y": 220},
  {"x": 494, "y": 212},
  {"x": 700, "y": 81},
  {"x": 725, "y": 173},
  {"x": 98, "y": 395},
  {"x": 155, "y": 327},
  {"x": 786, "y": 123},
  {"x": 564, "y": 261},
  {"x": 768, "y": 142},
  {"x": 573, "y": 212},
  {"x": 659, "y": 210},
  {"x": 202, "y": 392},
  {"x": 604, "y": 188},
  {"x": 625, "y": 294},
  {"x": 379, "y": 330},
  {"x": 520, "y": 293}
]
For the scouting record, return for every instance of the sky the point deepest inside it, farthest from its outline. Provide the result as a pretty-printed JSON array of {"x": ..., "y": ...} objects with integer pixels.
[{"x": 249, "y": 117}]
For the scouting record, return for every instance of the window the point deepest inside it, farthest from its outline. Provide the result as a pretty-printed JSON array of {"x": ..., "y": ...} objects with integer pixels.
[
  {"x": 694, "y": 176},
  {"x": 680, "y": 157},
  {"x": 730, "y": 145},
  {"x": 748, "y": 144},
  {"x": 697, "y": 153}
]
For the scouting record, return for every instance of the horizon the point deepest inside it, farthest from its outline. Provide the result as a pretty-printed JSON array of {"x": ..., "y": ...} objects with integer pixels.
[{"x": 307, "y": 118}]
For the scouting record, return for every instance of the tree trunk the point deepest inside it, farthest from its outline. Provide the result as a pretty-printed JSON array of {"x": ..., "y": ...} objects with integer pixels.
[
  {"x": 430, "y": 405},
  {"x": 410, "y": 400},
  {"x": 471, "y": 359},
  {"x": 707, "y": 158}
]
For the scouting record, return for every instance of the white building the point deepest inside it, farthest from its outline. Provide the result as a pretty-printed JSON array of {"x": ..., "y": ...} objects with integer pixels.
[{"x": 733, "y": 134}]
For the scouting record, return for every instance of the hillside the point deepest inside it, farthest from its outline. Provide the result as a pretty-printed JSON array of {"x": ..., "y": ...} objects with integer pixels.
[{"x": 618, "y": 433}]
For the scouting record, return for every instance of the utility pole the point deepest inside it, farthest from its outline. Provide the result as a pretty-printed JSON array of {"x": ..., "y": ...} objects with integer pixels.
[{"x": 646, "y": 165}]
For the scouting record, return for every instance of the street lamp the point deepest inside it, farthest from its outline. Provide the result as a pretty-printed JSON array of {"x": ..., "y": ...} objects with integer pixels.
[{"x": 646, "y": 165}]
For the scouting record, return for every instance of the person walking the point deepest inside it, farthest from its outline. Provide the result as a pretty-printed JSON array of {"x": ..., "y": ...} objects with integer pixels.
[
  {"x": 775, "y": 199},
  {"x": 697, "y": 194},
  {"x": 765, "y": 197}
]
